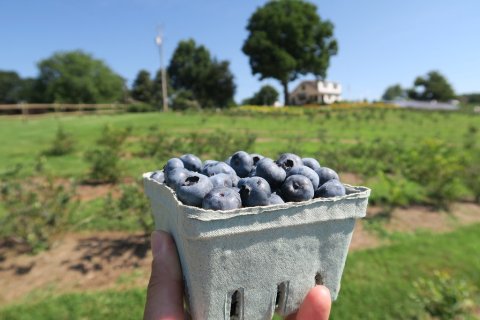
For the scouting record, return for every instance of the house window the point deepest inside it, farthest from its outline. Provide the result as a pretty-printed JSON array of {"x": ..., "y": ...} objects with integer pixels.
[{"x": 303, "y": 87}]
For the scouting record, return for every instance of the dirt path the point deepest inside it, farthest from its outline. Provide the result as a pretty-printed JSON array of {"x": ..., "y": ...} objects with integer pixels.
[{"x": 104, "y": 260}]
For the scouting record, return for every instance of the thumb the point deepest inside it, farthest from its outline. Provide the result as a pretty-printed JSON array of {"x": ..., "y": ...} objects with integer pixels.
[
  {"x": 165, "y": 289},
  {"x": 316, "y": 305}
]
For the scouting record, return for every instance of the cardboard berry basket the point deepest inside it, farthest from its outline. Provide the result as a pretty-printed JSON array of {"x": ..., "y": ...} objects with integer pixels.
[{"x": 250, "y": 263}]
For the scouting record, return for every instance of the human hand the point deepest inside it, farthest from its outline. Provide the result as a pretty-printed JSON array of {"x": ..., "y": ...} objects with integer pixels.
[{"x": 165, "y": 289}]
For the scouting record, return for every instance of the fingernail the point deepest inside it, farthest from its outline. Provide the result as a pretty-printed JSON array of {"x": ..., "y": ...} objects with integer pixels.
[{"x": 158, "y": 244}]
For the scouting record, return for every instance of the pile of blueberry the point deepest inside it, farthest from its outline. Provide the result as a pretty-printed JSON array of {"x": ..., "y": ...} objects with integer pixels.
[{"x": 248, "y": 180}]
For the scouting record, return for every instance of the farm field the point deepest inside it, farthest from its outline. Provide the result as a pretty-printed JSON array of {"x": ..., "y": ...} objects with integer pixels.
[{"x": 420, "y": 165}]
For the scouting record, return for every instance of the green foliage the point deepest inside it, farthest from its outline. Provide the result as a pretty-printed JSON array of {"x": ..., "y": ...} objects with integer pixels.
[
  {"x": 266, "y": 96},
  {"x": 142, "y": 88},
  {"x": 209, "y": 80},
  {"x": 104, "y": 158},
  {"x": 444, "y": 297},
  {"x": 139, "y": 107},
  {"x": 132, "y": 205},
  {"x": 395, "y": 190},
  {"x": 184, "y": 100},
  {"x": 393, "y": 92},
  {"x": 218, "y": 144},
  {"x": 10, "y": 86},
  {"x": 37, "y": 210},
  {"x": 286, "y": 39},
  {"x": 76, "y": 77},
  {"x": 62, "y": 144},
  {"x": 433, "y": 87}
]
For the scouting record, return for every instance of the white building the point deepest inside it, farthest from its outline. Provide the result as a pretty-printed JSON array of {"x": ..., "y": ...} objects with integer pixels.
[{"x": 312, "y": 92}]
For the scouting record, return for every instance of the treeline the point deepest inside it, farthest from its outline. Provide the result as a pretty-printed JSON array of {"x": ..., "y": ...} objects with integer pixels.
[
  {"x": 195, "y": 80},
  {"x": 286, "y": 39}
]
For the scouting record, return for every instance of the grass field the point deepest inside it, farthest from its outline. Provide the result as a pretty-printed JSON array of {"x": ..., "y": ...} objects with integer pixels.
[
  {"x": 377, "y": 284},
  {"x": 407, "y": 157}
]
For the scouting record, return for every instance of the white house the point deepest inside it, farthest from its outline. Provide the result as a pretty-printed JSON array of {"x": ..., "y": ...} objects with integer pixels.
[{"x": 324, "y": 92}]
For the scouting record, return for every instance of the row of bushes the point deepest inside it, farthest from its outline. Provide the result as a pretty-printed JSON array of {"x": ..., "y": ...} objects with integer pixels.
[{"x": 430, "y": 172}]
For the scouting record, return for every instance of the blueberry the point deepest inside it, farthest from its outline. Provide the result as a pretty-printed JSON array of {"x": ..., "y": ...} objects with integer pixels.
[
  {"x": 158, "y": 176},
  {"x": 311, "y": 163},
  {"x": 191, "y": 162},
  {"x": 222, "y": 199},
  {"x": 331, "y": 188},
  {"x": 254, "y": 191},
  {"x": 193, "y": 189},
  {"x": 207, "y": 163},
  {"x": 297, "y": 188},
  {"x": 242, "y": 163},
  {"x": 307, "y": 172},
  {"x": 270, "y": 171},
  {"x": 275, "y": 199},
  {"x": 256, "y": 157},
  {"x": 172, "y": 164},
  {"x": 326, "y": 174},
  {"x": 289, "y": 160},
  {"x": 176, "y": 176},
  {"x": 218, "y": 167},
  {"x": 222, "y": 180}
]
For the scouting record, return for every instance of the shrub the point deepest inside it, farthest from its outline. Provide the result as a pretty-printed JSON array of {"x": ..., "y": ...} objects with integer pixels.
[
  {"x": 444, "y": 297},
  {"x": 62, "y": 144},
  {"x": 139, "y": 107},
  {"x": 37, "y": 210},
  {"x": 104, "y": 159},
  {"x": 132, "y": 204}
]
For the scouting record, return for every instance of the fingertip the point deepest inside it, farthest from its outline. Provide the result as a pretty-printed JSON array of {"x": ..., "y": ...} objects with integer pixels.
[{"x": 317, "y": 304}]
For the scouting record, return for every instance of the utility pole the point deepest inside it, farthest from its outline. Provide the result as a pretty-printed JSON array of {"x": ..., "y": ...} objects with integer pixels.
[{"x": 159, "y": 42}]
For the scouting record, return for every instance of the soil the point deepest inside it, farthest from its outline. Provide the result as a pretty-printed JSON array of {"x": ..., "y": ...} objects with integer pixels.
[{"x": 103, "y": 260}]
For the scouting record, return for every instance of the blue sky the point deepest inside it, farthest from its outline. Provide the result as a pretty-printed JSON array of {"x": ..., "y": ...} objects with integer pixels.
[{"x": 381, "y": 42}]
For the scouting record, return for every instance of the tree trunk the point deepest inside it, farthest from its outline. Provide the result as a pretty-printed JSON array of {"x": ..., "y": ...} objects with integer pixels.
[{"x": 286, "y": 95}]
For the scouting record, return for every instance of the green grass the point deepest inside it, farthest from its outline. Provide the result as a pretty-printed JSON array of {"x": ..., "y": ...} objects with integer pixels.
[
  {"x": 22, "y": 141},
  {"x": 377, "y": 283}
]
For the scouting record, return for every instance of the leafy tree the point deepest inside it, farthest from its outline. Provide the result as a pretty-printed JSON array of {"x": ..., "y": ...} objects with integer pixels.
[
  {"x": 266, "y": 96},
  {"x": 193, "y": 69},
  {"x": 76, "y": 77},
  {"x": 393, "y": 92},
  {"x": 432, "y": 87},
  {"x": 286, "y": 39},
  {"x": 142, "y": 88},
  {"x": 219, "y": 86},
  {"x": 10, "y": 86}
]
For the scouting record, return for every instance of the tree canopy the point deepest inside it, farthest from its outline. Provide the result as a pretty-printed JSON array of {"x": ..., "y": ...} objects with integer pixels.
[
  {"x": 266, "y": 96},
  {"x": 142, "y": 87},
  {"x": 10, "y": 87},
  {"x": 287, "y": 38},
  {"x": 393, "y": 92},
  {"x": 193, "y": 69},
  {"x": 432, "y": 87},
  {"x": 77, "y": 77}
]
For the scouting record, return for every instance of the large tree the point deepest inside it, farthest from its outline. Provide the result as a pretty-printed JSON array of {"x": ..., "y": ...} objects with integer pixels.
[
  {"x": 193, "y": 69},
  {"x": 142, "y": 87},
  {"x": 393, "y": 92},
  {"x": 266, "y": 96},
  {"x": 10, "y": 87},
  {"x": 287, "y": 38},
  {"x": 432, "y": 87},
  {"x": 77, "y": 77}
]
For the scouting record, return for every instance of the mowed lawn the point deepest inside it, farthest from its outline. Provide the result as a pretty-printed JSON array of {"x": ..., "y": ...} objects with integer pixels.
[
  {"x": 22, "y": 141},
  {"x": 377, "y": 284}
]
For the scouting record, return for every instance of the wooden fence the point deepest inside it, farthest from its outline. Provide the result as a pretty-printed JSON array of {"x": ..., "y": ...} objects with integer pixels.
[{"x": 35, "y": 109}]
